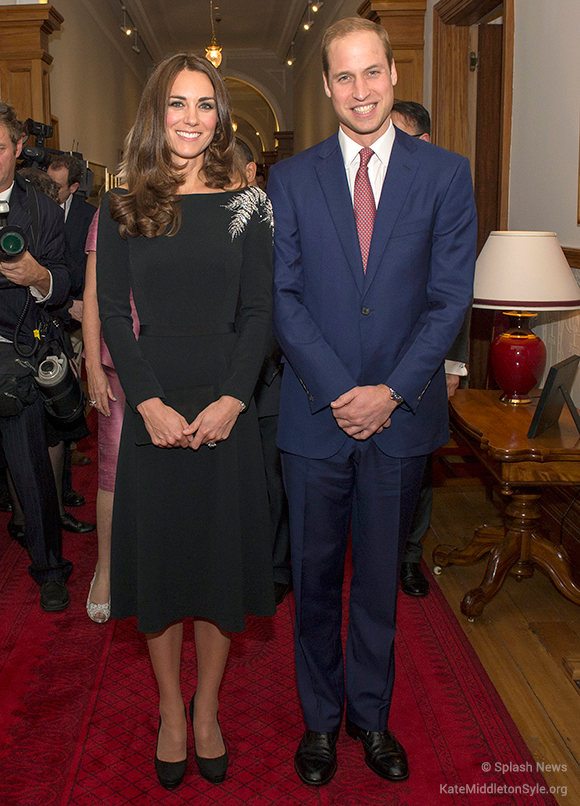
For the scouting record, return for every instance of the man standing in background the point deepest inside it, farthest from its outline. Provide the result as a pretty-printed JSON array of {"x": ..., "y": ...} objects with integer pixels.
[{"x": 412, "y": 118}]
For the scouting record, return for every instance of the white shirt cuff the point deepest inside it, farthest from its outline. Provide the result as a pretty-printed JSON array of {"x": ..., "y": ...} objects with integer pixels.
[
  {"x": 455, "y": 368},
  {"x": 36, "y": 293}
]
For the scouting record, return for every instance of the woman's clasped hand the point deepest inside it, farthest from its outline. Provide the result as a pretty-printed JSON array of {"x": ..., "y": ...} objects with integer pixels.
[{"x": 169, "y": 429}]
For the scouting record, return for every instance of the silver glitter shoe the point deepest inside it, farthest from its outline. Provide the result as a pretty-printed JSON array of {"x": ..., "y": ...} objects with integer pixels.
[{"x": 98, "y": 612}]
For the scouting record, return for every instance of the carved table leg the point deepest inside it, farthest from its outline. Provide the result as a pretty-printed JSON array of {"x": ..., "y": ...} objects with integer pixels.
[
  {"x": 555, "y": 561},
  {"x": 511, "y": 550},
  {"x": 502, "y": 558},
  {"x": 482, "y": 542}
]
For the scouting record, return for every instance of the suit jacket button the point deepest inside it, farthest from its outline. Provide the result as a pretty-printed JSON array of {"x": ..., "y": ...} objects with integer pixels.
[{"x": 365, "y": 311}]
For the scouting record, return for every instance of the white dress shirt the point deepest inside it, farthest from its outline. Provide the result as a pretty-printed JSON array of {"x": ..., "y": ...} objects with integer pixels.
[
  {"x": 66, "y": 206},
  {"x": 378, "y": 163}
]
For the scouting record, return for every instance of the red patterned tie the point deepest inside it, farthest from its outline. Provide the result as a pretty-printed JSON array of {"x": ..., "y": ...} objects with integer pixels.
[{"x": 364, "y": 205}]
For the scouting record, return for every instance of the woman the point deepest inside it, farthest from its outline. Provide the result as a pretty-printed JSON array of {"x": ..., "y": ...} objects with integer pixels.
[
  {"x": 107, "y": 396},
  {"x": 190, "y": 524}
]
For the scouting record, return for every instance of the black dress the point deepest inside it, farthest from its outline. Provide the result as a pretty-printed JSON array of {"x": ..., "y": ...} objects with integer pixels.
[{"x": 190, "y": 528}]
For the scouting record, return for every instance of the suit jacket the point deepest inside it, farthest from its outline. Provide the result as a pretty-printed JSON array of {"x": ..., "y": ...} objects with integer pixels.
[
  {"x": 76, "y": 229},
  {"x": 340, "y": 328},
  {"x": 48, "y": 249}
]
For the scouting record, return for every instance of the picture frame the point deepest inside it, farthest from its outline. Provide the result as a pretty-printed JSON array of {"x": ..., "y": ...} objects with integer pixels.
[
  {"x": 555, "y": 394},
  {"x": 99, "y": 182}
]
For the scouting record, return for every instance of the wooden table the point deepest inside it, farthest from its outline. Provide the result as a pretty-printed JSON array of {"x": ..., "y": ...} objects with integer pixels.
[{"x": 496, "y": 434}]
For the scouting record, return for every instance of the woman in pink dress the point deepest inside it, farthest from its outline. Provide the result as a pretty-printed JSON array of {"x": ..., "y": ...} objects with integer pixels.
[{"x": 107, "y": 396}]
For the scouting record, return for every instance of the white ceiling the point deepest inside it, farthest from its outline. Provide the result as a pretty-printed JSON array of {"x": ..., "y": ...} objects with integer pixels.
[{"x": 169, "y": 26}]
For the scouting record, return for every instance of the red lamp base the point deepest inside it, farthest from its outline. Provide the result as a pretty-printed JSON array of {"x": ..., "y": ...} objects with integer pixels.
[{"x": 518, "y": 358}]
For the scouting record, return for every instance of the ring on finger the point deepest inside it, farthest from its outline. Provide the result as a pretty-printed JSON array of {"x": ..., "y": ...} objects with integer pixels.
[
  {"x": 92, "y": 402},
  {"x": 212, "y": 445}
]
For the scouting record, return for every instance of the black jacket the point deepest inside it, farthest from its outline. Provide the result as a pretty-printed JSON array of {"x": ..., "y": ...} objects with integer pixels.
[
  {"x": 76, "y": 229},
  {"x": 49, "y": 252}
]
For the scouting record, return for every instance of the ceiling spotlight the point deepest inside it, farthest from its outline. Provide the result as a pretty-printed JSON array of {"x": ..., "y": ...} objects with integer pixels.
[
  {"x": 291, "y": 59},
  {"x": 125, "y": 28},
  {"x": 316, "y": 7},
  {"x": 309, "y": 22},
  {"x": 135, "y": 45}
]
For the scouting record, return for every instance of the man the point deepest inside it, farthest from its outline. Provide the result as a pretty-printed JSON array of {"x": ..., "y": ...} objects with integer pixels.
[
  {"x": 40, "y": 277},
  {"x": 374, "y": 258},
  {"x": 267, "y": 397},
  {"x": 412, "y": 118},
  {"x": 67, "y": 172}
]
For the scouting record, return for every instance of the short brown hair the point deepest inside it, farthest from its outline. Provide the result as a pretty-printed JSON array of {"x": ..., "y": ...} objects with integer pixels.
[
  {"x": 73, "y": 165},
  {"x": 9, "y": 120},
  {"x": 353, "y": 25},
  {"x": 151, "y": 207}
]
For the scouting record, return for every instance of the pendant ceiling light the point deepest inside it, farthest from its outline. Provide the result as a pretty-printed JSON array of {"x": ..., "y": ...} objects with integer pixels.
[{"x": 213, "y": 53}]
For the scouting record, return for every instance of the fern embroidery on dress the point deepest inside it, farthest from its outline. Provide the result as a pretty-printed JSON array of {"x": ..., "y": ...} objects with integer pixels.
[{"x": 243, "y": 206}]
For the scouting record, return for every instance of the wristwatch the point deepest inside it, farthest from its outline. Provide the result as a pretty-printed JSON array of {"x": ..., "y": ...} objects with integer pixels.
[{"x": 396, "y": 396}]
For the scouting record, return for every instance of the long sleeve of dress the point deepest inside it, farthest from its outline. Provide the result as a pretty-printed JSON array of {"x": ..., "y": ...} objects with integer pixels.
[
  {"x": 253, "y": 319},
  {"x": 114, "y": 291}
]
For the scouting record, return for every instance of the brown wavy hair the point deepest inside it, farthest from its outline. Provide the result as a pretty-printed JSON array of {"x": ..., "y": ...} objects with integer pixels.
[{"x": 151, "y": 205}]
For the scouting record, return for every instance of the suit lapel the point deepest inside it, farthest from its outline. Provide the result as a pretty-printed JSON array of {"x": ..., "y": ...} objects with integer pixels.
[
  {"x": 332, "y": 177},
  {"x": 401, "y": 172}
]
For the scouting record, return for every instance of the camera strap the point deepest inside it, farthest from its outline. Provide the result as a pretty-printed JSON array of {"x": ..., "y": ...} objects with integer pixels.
[{"x": 35, "y": 228}]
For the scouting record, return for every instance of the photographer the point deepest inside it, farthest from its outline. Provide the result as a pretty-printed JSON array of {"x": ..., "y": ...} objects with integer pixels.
[{"x": 40, "y": 277}]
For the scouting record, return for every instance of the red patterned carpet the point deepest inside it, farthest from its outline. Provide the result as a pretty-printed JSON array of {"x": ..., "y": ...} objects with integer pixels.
[{"x": 78, "y": 721}]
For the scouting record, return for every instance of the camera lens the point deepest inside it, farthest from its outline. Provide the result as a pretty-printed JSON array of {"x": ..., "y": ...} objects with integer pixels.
[{"x": 12, "y": 243}]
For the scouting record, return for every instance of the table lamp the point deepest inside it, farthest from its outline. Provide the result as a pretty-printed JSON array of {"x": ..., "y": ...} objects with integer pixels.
[{"x": 519, "y": 273}]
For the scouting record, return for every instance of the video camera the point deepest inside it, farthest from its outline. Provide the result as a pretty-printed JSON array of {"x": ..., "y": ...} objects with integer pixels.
[{"x": 41, "y": 157}]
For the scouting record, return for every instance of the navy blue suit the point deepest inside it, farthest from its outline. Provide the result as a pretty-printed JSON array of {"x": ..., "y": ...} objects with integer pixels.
[{"x": 340, "y": 328}]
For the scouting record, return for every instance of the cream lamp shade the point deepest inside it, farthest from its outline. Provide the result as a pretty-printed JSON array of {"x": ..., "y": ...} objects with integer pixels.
[{"x": 525, "y": 271}]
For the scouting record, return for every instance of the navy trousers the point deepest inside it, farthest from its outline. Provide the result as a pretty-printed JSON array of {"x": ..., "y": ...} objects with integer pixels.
[
  {"x": 25, "y": 448},
  {"x": 374, "y": 495},
  {"x": 277, "y": 500}
]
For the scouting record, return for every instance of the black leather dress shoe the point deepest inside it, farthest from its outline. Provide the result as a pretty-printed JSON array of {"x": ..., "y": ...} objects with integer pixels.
[
  {"x": 73, "y": 499},
  {"x": 315, "y": 759},
  {"x": 413, "y": 581},
  {"x": 54, "y": 596},
  {"x": 383, "y": 753},
  {"x": 281, "y": 591},
  {"x": 73, "y": 525},
  {"x": 16, "y": 532}
]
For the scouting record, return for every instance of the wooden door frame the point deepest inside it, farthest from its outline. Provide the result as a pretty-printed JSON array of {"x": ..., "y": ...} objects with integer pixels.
[{"x": 451, "y": 21}]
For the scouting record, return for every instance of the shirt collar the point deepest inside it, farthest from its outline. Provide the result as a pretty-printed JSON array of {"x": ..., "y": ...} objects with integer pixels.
[
  {"x": 382, "y": 147},
  {"x": 6, "y": 194},
  {"x": 66, "y": 205}
]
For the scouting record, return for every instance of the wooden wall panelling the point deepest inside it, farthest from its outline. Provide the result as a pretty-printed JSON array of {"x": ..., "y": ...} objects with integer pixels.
[
  {"x": 24, "y": 58},
  {"x": 404, "y": 20},
  {"x": 572, "y": 256},
  {"x": 450, "y": 81},
  {"x": 488, "y": 148}
]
